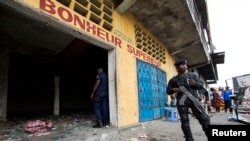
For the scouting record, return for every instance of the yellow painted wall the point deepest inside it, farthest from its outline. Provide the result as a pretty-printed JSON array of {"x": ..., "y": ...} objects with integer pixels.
[
  {"x": 128, "y": 108},
  {"x": 123, "y": 29},
  {"x": 126, "y": 70}
]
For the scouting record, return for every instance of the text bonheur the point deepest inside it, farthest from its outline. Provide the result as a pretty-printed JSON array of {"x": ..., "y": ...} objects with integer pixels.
[{"x": 216, "y": 132}]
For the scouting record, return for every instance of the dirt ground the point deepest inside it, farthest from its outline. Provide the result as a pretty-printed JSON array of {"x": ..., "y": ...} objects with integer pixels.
[{"x": 77, "y": 127}]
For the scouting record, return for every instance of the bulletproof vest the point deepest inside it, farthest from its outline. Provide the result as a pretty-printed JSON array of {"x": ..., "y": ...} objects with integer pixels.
[{"x": 183, "y": 80}]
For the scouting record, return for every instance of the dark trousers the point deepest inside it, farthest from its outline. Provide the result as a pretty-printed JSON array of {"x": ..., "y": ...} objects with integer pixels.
[
  {"x": 217, "y": 109},
  {"x": 101, "y": 106},
  {"x": 183, "y": 113},
  {"x": 228, "y": 106},
  {"x": 208, "y": 108}
]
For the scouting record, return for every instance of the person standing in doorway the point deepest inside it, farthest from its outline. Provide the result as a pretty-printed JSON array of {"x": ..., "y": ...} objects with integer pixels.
[
  {"x": 99, "y": 96},
  {"x": 192, "y": 83},
  {"x": 227, "y": 100}
]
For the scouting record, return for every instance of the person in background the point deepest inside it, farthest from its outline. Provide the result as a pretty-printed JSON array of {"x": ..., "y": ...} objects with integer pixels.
[
  {"x": 208, "y": 100},
  {"x": 100, "y": 97},
  {"x": 215, "y": 102},
  {"x": 203, "y": 100},
  {"x": 220, "y": 91},
  {"x": 227, "y": 100},
  {"x": 173, "y": 100},
  {"x": 191, "y": 82}
]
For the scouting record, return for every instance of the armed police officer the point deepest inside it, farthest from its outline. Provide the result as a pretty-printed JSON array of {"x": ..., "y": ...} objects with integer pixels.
[{"x": 192, "y": 83}]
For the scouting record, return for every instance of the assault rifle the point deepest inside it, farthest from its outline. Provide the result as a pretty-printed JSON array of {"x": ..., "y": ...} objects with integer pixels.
[{"x": 196, "y": 103}]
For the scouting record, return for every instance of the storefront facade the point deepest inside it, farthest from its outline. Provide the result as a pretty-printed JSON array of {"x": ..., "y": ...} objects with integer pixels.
[{"x": 138, "y": 64}]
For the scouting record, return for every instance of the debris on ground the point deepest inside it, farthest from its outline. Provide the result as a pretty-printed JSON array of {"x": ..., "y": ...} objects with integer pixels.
[{"x": 38, "y": 126}]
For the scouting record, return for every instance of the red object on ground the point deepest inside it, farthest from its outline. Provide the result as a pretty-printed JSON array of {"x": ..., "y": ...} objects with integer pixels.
[{"x": 38, "y": 126}]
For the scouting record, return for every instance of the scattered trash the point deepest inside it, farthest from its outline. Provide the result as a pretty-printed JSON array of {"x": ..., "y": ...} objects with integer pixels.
[
  {"x": 43, "y": 134},
  {"x": 53, "y": 129},
  {"x": 95, "y": 132},
  {"x": 63, "y": 126},
  {"x": 142, "y": 135},
  {"x": 104, "y": 136},
  {"x": 39, "y": 134},
  {"x": 133, "y": 139},
  {"x": 38, "y": 126}
]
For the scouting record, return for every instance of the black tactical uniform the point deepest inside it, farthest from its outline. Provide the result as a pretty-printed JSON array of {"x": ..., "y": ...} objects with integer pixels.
[{"x": 184, "y": 103}]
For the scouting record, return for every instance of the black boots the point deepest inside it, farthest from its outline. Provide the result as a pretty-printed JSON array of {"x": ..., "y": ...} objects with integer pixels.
[
  {"x": 104, "y": 122},
  {"x": 98, "y": 124}
]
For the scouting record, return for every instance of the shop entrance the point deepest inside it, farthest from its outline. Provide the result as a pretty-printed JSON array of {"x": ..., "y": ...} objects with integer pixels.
[{"x": 38, "y": 54}]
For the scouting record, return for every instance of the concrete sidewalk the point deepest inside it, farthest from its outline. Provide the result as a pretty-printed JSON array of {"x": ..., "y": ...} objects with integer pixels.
[{"x": 157, "y": 130}]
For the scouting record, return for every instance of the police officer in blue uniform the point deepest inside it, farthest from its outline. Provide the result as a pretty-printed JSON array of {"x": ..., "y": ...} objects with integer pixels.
[
  {"x": 192, "y": 83},
  {"x": 99, "y": 96}
]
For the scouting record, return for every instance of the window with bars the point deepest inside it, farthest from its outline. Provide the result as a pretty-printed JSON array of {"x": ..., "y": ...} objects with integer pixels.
[
  {"x": 97, "y": 11},
  {"x": 146, "y": 43}
]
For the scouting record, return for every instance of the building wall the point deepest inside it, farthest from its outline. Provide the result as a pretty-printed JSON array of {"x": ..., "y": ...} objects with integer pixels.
[{"x": 121, "y": 33}]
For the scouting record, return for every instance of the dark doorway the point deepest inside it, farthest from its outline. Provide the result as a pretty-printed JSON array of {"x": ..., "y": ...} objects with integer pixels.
[
  {"x": 77, "y": 78},
  {"x": 30, "y": 88},
  {"x": 31, "y": 83}
]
